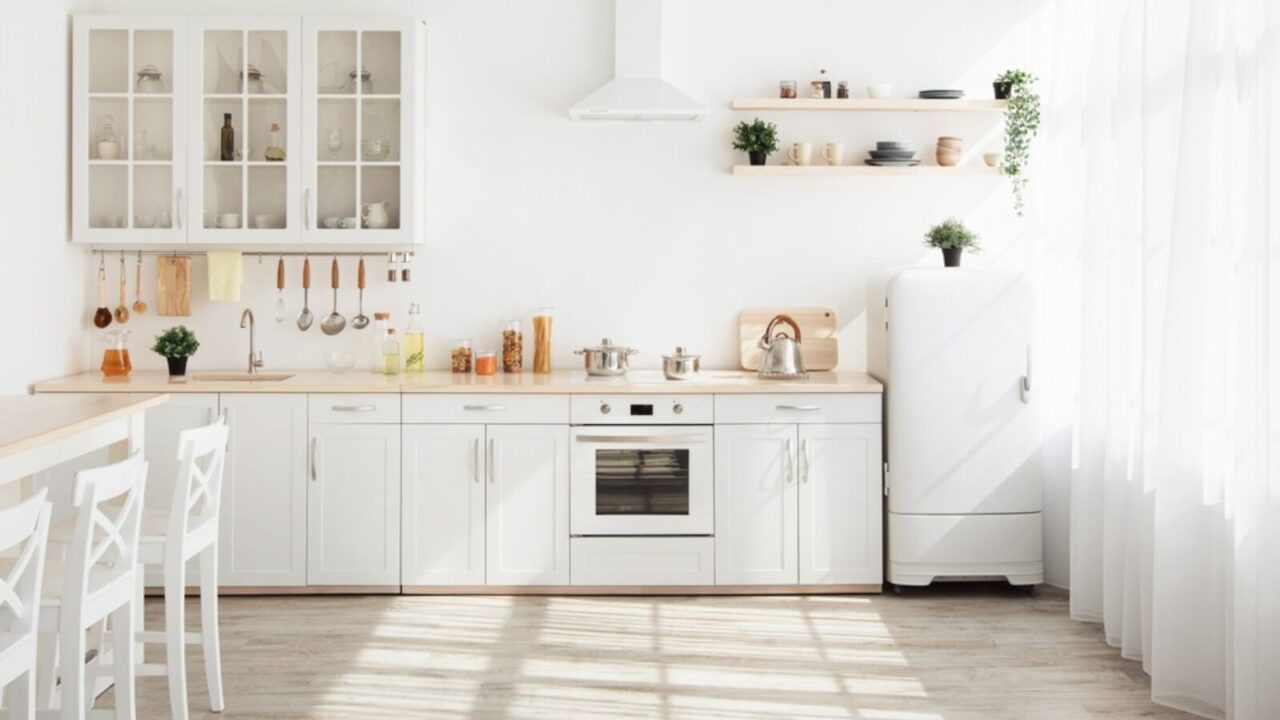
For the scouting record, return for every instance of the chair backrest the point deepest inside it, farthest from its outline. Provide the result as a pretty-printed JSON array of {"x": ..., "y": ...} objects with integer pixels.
[
  {"x": 106, "y": 533},
  {"x": 24, "y": 528},
  {"x": 202, "y": 454}
]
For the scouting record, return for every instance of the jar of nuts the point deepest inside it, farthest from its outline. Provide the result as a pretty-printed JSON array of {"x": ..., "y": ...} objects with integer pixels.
[
  {"x": 460, "y": 356},
  {"x": 512, "y": 347}
]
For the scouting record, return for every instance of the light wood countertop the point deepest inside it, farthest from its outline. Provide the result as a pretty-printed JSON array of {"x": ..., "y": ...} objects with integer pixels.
[
  {"x": 442, "y": 381},
  {"x": 27, "y": 421}
]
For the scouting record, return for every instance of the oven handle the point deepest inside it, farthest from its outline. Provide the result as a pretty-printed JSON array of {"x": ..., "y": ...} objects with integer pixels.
[{"x": 647, "y": 439}]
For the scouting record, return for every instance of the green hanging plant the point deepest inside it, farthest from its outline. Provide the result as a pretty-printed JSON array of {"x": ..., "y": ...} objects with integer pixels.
[{"x": 1021, "y": 121}]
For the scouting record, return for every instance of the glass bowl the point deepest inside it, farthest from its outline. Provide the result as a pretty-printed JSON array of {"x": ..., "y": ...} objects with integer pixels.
[{"x": 339, "y": 361}]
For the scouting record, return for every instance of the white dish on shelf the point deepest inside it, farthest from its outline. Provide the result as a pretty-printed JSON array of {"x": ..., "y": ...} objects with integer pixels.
[{"x": 879, "y": 91}]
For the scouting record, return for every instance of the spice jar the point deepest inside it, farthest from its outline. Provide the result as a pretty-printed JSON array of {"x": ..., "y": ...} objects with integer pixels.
[
  {"x": 787, "y": 89},
  {"x": 486, "y": 362},
  {"x": 512, "y": 347},
  {"x": 542, "y": 340},
  {"x": 460, "y": 356},
  {"x": 842, "y": 89}
]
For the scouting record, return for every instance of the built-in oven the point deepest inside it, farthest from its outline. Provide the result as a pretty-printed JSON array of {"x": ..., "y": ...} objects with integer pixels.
[{"x": 641, "y": 465}]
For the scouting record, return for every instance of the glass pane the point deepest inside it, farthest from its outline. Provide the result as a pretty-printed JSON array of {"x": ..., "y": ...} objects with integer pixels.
[
  {"x": 267, "y": 192},
  {"x": 108, "y": 61},
  {"x": 336, "y": 199},
  {"x": 223, "y": 61},
  {"x": 336, "y": 60},
  {"x": 380, "y": 197},
  {"x": 108, "y": 129},
  {"x": 215, "y": 117},
  {"x": 108, "y": 196},
  {"x": 642, "y": 482},
  {"x": 336, "y": 130},
  {"x": 267, "y": 127},
  {"x": 153, "y": 129},
  {"x": 223, "y": 192},
  {"x": 153, "y": 61},
  {"x": 267, "y": 52},
  {"x": 152, "y": 196},
  {"x": 380, "y": 126},
  {"x": 381, "y": 57}
]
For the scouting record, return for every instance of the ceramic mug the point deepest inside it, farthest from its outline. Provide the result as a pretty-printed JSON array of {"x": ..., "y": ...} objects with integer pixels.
[
  {"x": 349, "y": 223},
  {"x": 108, "y": 150},
  {"x": 833, "y": 153},
  {"x": 332, "y": 222},
  {"x": 992, "y": 159},
  {"x": 228, "y": 220},
  {"x": 800, "y": 153}
]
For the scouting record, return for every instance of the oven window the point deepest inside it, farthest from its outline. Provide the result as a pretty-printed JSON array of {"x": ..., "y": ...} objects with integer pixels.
[{"x": 642, "y": 482}]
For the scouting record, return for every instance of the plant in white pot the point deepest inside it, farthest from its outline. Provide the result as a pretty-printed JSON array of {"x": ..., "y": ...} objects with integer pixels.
[
  {"x": 952, "y": 238},
  {"x": 176, "y": 345},
  {"x": 1021, "y": 121}
]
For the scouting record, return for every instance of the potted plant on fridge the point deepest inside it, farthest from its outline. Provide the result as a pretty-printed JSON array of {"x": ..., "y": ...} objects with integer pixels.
[
  {"x": 952, "y": 237},
  {"x": 1021, "y": 121},
  {"x": 758, "y": 139},
  {"x": 176, "y": 345}
]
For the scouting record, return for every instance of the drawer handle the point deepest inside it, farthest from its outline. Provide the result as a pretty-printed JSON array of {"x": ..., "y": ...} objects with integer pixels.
[
  {"x": 485, "y": 408},
  {"x": 353, "y": 408},
  {"x": 791, "y": 462},
  {"x": 800, "y": 408}
]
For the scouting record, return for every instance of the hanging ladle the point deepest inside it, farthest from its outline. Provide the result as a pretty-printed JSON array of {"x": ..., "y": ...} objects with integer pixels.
[
  {"x": 333, "y": 324},
  {"x": 360, "y": 321}
]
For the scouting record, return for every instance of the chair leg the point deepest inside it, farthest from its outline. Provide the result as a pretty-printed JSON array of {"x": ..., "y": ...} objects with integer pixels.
[
  {"x": 71, "y": 670},
  {"x": 46, "y": 669},
  {"x": 209, "y": 625},
  {"x": 174, "y": 631},
  {"x": 22, "y": 696},
  {"x": 122, "y": 638}
]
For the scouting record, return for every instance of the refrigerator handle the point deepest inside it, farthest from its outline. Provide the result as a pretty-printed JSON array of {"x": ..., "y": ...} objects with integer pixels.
[{"x": 1026, "y": 379}]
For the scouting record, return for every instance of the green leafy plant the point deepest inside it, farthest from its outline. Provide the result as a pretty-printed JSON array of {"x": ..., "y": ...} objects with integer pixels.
[
  {"x": 756, "y": 136},
  {"x": 176, "y": 342},
  {"x": 951, "y": 233},
  {"x": 1021, "y": 121}
]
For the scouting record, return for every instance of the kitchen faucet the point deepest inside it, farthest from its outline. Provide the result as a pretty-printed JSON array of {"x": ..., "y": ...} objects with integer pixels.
[{"x": 255, "y": 359}]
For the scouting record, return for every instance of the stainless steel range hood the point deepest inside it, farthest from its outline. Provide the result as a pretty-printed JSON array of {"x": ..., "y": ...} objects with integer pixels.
[{"x": 638, "y": 90}]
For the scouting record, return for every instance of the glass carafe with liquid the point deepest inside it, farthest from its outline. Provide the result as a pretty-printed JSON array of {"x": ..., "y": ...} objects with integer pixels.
[{"x": 115, "y": 353}]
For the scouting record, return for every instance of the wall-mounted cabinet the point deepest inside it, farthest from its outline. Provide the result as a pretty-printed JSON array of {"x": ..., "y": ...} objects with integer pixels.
[{"x": 247, "y": 130}]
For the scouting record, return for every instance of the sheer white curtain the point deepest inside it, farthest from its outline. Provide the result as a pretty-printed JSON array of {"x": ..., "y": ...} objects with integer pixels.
[{"x": 1159, "y": 203}]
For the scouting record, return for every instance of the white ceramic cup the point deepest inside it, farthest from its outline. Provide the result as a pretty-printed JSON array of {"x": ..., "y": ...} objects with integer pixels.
[
  {"x": 833, "y": 153},
  {"x": 108, "y": 150},
  {"x": 992, "y": 159},
  {"x": 879, "y": 91},
  {"x": 228, "y": 220},
  {"x": 144, "y": 221},
  {"x": 801, "y": 153},
  {"x": 349, "y": 223}
]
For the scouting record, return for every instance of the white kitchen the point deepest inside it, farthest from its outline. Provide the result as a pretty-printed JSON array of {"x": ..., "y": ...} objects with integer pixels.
[{"x": 640, "y": 359}]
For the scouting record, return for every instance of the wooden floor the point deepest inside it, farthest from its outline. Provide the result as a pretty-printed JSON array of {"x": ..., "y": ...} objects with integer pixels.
[{"x": 943, "y": 654}]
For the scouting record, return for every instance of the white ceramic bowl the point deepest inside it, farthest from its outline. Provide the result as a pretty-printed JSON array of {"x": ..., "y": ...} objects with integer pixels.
[
  {"x": 144, "y": 221},
  {"x": 992, "y": 159},
  {"x": 879, "y": 91},
  {"x": 339, "y": 361}
]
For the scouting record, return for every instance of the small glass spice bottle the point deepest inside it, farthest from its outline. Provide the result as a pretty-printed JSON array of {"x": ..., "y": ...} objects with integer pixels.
[
  {"x": 787, "y": 89},
  {"x": 842, "y": 89}
]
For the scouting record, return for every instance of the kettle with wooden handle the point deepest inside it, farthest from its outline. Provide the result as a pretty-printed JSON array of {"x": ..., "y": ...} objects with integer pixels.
[{"x": 782, "y": 359}]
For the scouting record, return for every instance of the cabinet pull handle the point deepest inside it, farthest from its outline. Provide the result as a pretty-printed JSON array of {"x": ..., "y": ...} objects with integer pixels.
[
  {"x": 314, "y": 443},
  {"x": 791, "y": 467},
  {"x": 177, "y": 206},
  {"x": 1026, "y": 379},
  {"x": 485, "y": 408},
  {"x": 493, "y": 468},
  {"x": 799, "y": 408},
  {"x": 475, "y": 459},
  {"x": 806, "y": 458},
  {"x": 353, "y": 408},
  {"x": 306, "y": 208}
]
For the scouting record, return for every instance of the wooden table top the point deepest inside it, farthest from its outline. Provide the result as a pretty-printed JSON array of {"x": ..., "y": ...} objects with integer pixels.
[{"x": 27, "y": 421}]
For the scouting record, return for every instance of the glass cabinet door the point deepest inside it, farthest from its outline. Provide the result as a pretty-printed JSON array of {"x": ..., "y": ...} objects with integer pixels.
[
  {"x": 360, "y": 78},
  {"x": 245, "y": 130},
  {"x": 128, "y": 90}
]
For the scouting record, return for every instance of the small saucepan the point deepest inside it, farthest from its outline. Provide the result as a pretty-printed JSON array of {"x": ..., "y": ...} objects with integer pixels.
[{"x": 681, "y": 365}]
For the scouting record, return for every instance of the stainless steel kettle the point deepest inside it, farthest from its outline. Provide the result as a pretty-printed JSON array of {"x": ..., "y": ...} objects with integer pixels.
[{"x": 782, "y": 360}]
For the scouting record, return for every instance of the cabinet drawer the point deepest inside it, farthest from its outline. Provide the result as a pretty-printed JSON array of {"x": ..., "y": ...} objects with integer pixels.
[
  {"x": 642, "y": 561},
  {"x": 799, "y": 408},
  {"x": 348, "y": 408},
  {"x": 488, "y": 408}
]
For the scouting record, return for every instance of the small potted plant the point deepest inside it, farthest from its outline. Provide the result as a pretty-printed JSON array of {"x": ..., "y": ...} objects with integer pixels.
[
  {"x": 952, "y": 237},
  {"x": 1021, "y": 121},
  {"x": 757, "y": 139},
  {"x": 176, "y": 345}
]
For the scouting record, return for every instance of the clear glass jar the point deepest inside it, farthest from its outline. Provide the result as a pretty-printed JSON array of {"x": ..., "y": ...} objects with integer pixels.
[
  {"x": 414, "y": 343},
  {"x": 149, "y": 80},
  {"x": 787, "y": 89},
  {"x": 486, "y": 362},
  {"x": 842, "y": 89},
  {"x": 460, "y": 355},
  {"x": 391, "y": 354},
  {"x": 512, "y": 347},
  {"x": 381, "y": 321},
  {"x": 542, "y": 339},
  {"x": 115, "y": 353}
]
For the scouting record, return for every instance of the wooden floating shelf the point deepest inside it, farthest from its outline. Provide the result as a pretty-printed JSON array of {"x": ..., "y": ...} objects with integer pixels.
[
  {"x": 862, "y": 170},
  {"x": 869, "y": 104}
]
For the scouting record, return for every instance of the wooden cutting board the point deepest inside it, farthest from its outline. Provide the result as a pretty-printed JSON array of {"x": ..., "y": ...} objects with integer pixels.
[
  {"x": 173, "y": 285},
  {"x": 818, "y": 340}
]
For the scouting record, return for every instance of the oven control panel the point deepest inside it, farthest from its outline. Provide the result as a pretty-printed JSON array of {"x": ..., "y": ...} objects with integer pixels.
[{"x": 641, "y": 410}]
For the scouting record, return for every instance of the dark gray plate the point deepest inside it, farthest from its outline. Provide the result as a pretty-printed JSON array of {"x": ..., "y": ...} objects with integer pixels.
[
  {"x": 892, "y": 145},
  {"x": 892, "y": 154},
  {"x": 893, "y": 163}
]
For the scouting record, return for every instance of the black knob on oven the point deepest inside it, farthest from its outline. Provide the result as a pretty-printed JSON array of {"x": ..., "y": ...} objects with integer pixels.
[
  {"x": 604, "y": 408},
  {"x": 677, "y": 408}
]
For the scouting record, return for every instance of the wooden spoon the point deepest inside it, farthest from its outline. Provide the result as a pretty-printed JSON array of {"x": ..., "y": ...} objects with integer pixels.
[
  {"x": 139, "y": 306},
  {"x": 102, "y": 317},
  {"x": 122, "y": 310}
]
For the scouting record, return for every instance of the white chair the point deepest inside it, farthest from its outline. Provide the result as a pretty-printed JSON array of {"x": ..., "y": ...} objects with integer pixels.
[
  {"x": 25, "y": 528},
  {"x": 189, "y": 529},
  {"x": 96, "y": 582}
]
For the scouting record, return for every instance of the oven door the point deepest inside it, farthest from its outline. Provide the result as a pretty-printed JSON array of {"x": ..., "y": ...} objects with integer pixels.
[{"x": 641, "y": 480}]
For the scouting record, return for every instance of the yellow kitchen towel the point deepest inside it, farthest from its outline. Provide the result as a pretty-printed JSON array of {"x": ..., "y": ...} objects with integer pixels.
[{"x": 226, "y": 275}]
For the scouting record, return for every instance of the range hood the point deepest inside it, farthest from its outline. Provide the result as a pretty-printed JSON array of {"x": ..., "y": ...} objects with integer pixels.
[{"x": 637, "y": 90}]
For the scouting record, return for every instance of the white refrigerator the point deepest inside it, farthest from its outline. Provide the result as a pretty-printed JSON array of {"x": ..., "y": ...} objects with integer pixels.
[{"x": 952, "y": 347}]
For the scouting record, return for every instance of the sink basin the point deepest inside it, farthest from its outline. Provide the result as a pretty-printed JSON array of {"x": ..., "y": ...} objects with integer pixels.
[{"x": 239, "y": 377}]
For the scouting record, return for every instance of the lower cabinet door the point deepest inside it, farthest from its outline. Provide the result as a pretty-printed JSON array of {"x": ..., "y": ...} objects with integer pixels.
[
  {"x": 353, "y": 501},
  {"x": 442, "y": 514},
  {"x": 841, "y": 501},
  {"x": 755, "y": 483},
  {"x": 263, "y": 524},
  {"x": 527, "y": 527}
]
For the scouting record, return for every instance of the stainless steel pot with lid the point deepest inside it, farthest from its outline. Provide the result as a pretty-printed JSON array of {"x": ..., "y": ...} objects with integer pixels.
[
  {"x": 681, "y": 365},
  {"x": 606, "y": 359}
]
